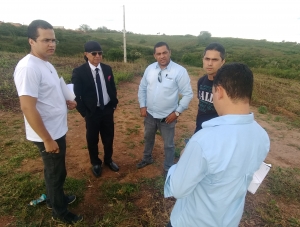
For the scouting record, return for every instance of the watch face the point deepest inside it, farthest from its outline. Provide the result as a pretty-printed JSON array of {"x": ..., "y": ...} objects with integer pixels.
[{"x": 177, "y": 114}]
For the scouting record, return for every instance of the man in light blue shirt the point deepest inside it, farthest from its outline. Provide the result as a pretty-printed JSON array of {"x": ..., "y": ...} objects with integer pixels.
[
  {"x": 211, "y": 178},
  {"x": 158, "y": 94}
]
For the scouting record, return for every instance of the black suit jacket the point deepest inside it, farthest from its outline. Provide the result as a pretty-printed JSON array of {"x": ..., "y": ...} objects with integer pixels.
[{"x": 85, "y": 90}]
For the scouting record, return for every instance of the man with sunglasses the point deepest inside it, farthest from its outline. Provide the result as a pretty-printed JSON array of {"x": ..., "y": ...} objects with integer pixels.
[
  {"x": 158, "y": 95},
  {"x": 96, "y": 97},
  {"x": 45, "y": 112}
]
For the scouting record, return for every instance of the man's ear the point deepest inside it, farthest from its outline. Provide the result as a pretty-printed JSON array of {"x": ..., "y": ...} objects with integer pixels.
[
  {"x": 219, "y": 92},
  {"x": 223, "y": 62},
  {"x": 30, "y": 41}
]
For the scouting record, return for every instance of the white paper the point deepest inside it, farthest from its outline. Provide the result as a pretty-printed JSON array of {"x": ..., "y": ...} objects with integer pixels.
[
  {"x": 71, "y": 87},
  {"x": 67, "y": 90},
  {"x": 258, "y": 177}
]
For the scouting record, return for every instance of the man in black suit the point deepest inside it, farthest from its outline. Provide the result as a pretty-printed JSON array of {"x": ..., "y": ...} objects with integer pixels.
[{"x": 96, "y": 98}]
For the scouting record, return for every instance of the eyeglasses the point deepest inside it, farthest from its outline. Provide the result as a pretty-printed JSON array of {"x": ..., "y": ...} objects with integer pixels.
[
  {"x": 94, "y": 53},
  {"x": 48, "y": 41},
  {"x": 159, "y": 77}
]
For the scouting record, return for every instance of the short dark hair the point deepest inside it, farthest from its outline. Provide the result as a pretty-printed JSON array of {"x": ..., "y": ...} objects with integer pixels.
[
  {"x": 160, "y": 44},
  {"x": 236, "y": 79},
  {"x": 218, "y": 47},
  {"x": 32, "y": 32}
]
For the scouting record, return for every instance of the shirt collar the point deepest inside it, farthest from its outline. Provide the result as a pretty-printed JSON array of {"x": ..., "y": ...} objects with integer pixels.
[
  {"x": 229, "y": 119},
  {"x": 168, "y": 68},
  {"x": 94, "y": 67}
]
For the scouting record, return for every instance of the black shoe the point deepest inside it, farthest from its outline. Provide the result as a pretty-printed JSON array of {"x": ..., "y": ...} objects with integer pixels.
[
  {"x": 143, "y": 163},
  {"x": 70, "y": 199},
  {"x": 69, "y": 218},
  {"x": 113, "y": 166},
  {"x": 97, "y": 170}
]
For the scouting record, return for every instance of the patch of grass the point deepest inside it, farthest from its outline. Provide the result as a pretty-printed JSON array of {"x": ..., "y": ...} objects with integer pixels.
[
  {"x": 284, "y": 182},
  {"x": 177, "y": 152},
  {"x": 130, "y": 144},
  {"x": 263, "y": 109},
  {"x": 142, "y": 142},
  {"x": 294, "y": 221},
  {"x": 156, "y": 183},
  {"x": 277, "y": 119},
  {"x": 158, "y": 133},
  {"x": 130, "y": 131},
  {"x": 76, "y": 187},
  {"x": 270, "y": 213},
  {"x": 116, "y": 191},
  {"x": 132, "y": 155}
]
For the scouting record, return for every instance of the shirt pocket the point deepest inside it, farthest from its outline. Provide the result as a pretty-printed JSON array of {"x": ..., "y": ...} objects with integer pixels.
[{"x": 169, "y": 83}]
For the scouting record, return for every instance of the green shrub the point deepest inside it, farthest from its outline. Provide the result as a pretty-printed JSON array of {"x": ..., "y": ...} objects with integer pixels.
[{"x": 262, "y": 109}]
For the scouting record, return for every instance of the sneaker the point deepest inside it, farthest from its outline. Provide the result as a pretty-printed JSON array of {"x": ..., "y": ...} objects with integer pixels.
[
  {"x": 69, "y": 218},
  {"x": 70, "y": 199},
  {"x": 143, "y": 163}
]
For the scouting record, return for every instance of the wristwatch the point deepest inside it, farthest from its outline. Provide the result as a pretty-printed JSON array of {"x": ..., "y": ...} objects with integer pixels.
[{"x": 177, "y": 113}]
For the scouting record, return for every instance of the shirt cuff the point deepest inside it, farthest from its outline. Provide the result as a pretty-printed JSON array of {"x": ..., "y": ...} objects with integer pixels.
[{"x": 167, "y": 187}]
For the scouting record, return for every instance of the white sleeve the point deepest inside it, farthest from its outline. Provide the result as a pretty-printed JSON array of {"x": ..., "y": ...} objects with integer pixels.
[{"x": 27, "y": 81}]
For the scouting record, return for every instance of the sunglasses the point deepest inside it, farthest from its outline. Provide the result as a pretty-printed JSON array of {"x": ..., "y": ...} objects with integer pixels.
[
  {"x": 159, "y": 77},
  {"x": 94, "y": 53}
]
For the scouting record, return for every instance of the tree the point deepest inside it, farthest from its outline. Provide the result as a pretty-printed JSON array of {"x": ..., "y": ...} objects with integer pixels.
[
  {"x": 84, "y": 28},
  {"x": 204, "y": 36}
]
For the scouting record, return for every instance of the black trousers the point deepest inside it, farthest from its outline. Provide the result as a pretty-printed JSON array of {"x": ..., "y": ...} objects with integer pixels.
[
  {"x": 169, "y": 224},
  {"x": 55, "y": 174},
  {"x": 102, "y": 121}
]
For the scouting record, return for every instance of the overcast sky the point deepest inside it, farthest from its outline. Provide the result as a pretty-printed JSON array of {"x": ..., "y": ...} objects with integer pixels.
[{"x": 273, "y": 20}]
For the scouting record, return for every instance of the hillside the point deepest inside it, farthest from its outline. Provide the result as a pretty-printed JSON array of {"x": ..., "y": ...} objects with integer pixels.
[{"x": 271, "y": 58}]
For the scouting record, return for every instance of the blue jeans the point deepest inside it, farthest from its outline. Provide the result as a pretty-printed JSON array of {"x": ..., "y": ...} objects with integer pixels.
[
  {"x": 167, "y": 131},
  {"x": 55, "y": 174}
]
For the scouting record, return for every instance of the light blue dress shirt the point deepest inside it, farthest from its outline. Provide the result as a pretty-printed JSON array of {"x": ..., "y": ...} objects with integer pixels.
[
  {"x": 161, "y": 99},
  {"x": 211, "y": 179}
]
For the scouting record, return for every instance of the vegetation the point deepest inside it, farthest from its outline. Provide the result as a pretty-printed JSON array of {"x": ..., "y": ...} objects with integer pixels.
[
  {"x": 269, "y": 58},
  {"x": 276, "y": 90}
]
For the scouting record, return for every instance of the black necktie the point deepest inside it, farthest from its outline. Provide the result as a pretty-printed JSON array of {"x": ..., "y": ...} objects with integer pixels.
[{"x": 98, "y": 81}]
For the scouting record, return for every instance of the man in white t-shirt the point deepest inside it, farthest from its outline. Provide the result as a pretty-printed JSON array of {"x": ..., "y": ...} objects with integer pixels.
[{"x": 45, "y": 113}]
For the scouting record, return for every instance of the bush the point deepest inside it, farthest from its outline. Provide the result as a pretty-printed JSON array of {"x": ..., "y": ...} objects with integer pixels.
[{"x": 262, "y": 109}]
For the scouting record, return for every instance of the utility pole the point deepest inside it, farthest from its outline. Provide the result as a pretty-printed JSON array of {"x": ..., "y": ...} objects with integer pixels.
[{"x": 124, "y": 35}]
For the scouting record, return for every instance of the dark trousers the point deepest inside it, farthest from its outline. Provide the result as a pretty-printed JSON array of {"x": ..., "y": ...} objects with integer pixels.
[
  {"x": 55, "y": 174},
  {"x": 169, "y": 225},
  {"x": 102, "y": 121}
]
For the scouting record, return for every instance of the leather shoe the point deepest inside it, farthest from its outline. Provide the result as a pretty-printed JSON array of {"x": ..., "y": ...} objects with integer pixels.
[
  {"x": 113, "y": 166},
  {"x": 97, "y": 170}
]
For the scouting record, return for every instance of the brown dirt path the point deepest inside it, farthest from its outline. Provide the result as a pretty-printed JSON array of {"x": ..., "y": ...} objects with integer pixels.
[{"x": 128, "y": 145}]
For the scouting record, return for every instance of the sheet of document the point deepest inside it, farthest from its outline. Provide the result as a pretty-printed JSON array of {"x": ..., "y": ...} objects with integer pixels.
[
  {"x": 258, "y": 177},
  {"x": 67, "y": 90}
]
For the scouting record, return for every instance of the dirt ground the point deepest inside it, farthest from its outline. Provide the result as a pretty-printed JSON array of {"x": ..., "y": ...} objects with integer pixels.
[{"x": 128, "y": 145}]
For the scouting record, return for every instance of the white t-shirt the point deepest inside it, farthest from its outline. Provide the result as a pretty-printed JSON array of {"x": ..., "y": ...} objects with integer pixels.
[{"x": 37, "y": 78}]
